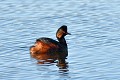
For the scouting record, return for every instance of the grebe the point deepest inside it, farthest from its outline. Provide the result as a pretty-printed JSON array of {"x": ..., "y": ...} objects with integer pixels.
[{"x": 49, "y": 50}]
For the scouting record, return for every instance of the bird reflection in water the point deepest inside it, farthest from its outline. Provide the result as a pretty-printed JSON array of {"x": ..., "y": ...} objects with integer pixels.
[{"x": 61, "y": 64}]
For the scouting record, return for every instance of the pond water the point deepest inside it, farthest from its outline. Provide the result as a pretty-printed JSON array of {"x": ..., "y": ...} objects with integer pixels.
[{"x": 94, "y": 46}]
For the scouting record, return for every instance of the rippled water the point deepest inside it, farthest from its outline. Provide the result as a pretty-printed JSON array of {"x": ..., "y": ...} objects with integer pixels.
[{"x": 94, "y": 46}]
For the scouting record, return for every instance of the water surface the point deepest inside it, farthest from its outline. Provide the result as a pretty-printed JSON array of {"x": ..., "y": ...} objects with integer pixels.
[{"x": 94, "y": 46}]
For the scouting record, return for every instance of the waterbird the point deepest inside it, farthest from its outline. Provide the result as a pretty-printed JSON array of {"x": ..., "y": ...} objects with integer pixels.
[{"x": 48, "y": 50}]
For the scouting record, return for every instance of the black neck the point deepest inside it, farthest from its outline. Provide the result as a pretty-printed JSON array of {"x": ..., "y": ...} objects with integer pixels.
[{"x": 62, "y": 41}]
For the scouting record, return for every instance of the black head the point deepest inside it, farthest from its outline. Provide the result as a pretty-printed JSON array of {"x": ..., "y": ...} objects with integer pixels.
[{"x": 62, "y": 31}]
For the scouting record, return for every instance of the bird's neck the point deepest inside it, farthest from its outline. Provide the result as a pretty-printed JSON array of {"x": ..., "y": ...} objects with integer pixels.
[{"x": 62, "y": 41}]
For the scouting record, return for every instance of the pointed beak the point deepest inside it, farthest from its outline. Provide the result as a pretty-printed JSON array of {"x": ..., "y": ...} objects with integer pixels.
[{"x": 68, "y": 33}]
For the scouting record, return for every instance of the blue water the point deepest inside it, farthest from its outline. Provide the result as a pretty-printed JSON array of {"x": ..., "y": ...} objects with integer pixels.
[{"x": 94, "y": 46}]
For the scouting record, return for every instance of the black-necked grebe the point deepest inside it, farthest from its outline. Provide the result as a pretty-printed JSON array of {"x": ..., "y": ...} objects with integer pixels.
[{"x": 49, "y": 50}]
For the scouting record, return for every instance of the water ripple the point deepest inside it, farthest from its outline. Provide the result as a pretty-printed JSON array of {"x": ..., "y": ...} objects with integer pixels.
[{"x": 93, "y": 45}]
